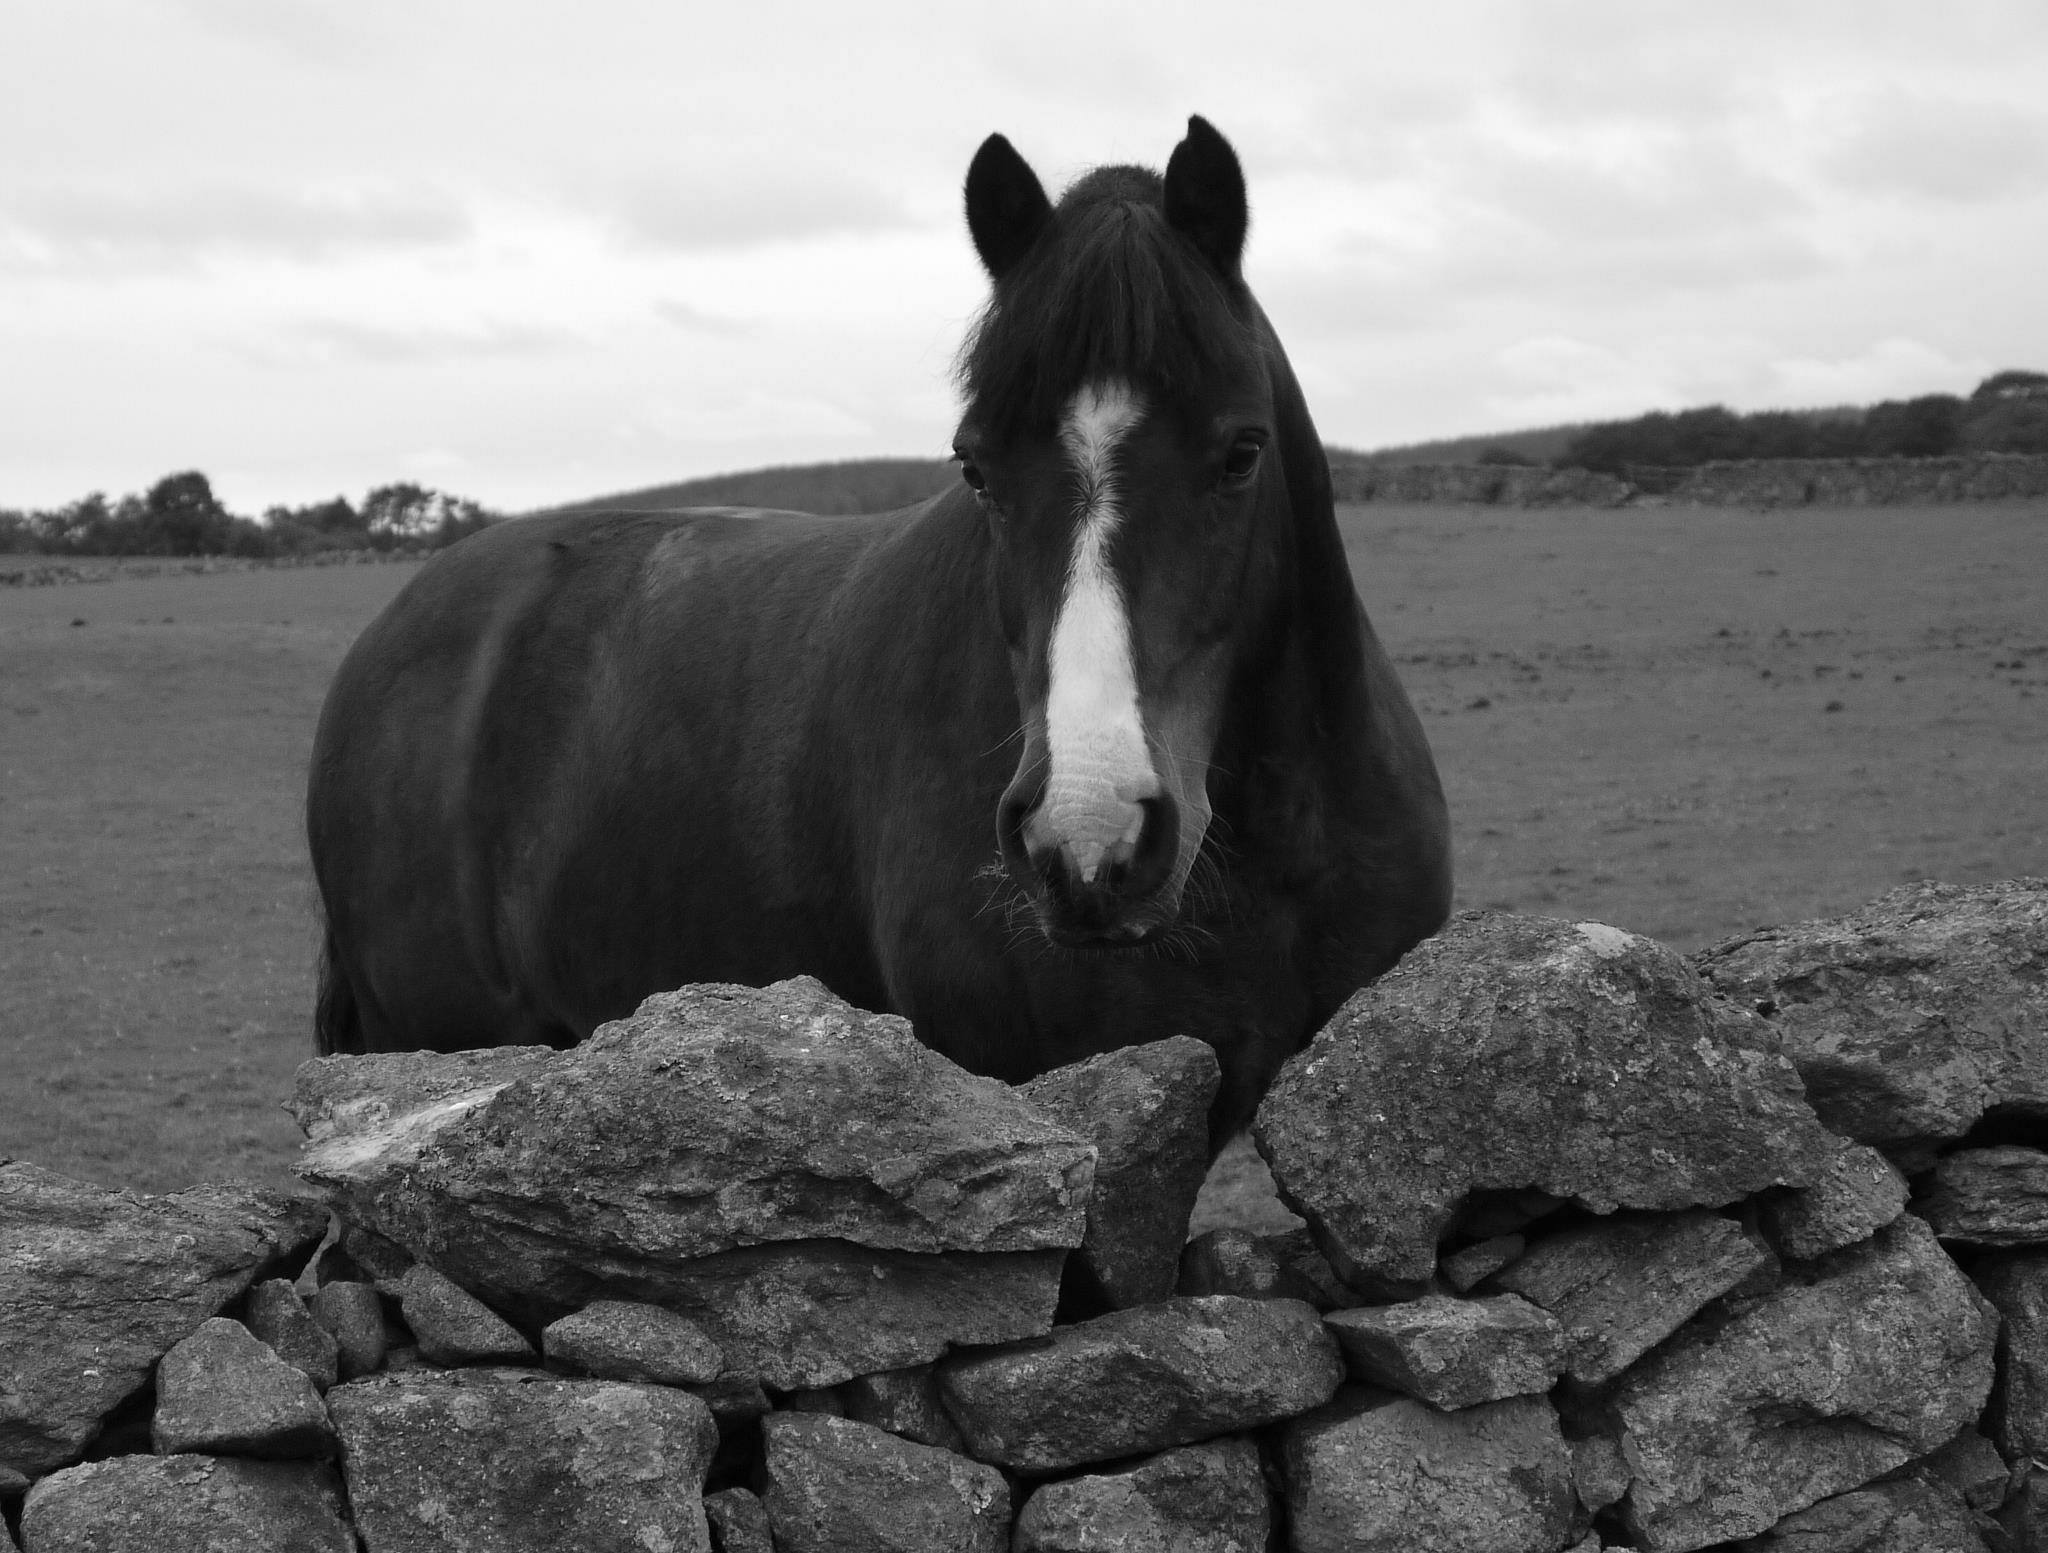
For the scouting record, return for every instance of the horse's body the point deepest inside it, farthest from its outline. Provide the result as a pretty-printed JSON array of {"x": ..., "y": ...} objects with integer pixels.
[{"x": 1095, "y": 749}]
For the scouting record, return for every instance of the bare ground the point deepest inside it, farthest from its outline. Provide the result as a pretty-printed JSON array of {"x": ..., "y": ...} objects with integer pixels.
[{"x": 1688, "y": 723}]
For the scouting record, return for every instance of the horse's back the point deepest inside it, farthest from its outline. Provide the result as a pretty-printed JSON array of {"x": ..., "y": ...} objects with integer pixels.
[{"x": 496, "y": 742}]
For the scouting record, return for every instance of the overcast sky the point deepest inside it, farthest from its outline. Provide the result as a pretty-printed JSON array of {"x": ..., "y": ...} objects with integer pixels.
[{"x": 532, "y": 252}]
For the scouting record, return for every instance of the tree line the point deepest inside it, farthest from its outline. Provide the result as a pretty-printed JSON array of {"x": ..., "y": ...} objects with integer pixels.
[
  {"x": 180, "y": 515},
  {"x": 2006, "y": 413}
]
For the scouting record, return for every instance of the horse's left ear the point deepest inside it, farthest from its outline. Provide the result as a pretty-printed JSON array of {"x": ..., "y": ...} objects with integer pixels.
[{"x": 1205, "y": 196}]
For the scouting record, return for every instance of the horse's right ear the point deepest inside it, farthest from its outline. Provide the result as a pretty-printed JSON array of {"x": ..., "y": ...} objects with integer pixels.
[{"x": 1006, "y": 206}]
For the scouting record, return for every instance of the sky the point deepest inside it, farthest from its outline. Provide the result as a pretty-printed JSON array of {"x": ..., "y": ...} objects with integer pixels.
[{"x": 528, "y": 253}]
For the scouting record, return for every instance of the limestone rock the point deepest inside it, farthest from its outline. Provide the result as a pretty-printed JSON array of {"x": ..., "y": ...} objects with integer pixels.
[
  {"x": 1599, "y": 1471},
  {"x": 714, "y": 1117},
  {"x": 221, "y": 1392},
  {"x": 274, "y": 1314},
  {"x": 815, "y": 1313},
  {"x": 1903, "y": 1515},
  {"x": 1971, "y": 1465},
  {"x": 739, "y": 1522},
  {"x": 748, "y": 1149},
  {"x": 625, "y": 1340},
  {"x": 1858, "y": 1194},
  {"x": 507, "y": 1461},
  {"x": 1146, "y": 1110},
  {"x": 353, "y": 1315},
  {"x": 1994, "y": 1197},
  {"x": 835, "y": 1486},
  {"x": 96, "y": 1285},
  {"x": 1814, "y": 1390},
  {"x": 1371, "y": 1472},
  {"x": 1282, "y": 1266},
  {"x": 1622, "y": 1285},
  {"x": 452, "y": 1325},
  {"x": 2017, "y": 1284},
  {"x": 904, "y": 1402},
  {"x": 1141, "y": 1380},
  {"x": 1207, "y": 1498},
  {"x": 1452, "y": 1353},
  {"x": 174, "y": 1503},
  {"x": 1912, "y": 1016},
  {"x": 1464, "y": 1270},
  {"x": 1514, "y": 1053}
]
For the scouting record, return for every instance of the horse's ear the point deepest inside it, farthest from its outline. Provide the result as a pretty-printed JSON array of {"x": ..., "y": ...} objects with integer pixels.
[
  {"x": 1006, "y": 205},
  {"x": 1205, "y": 196}
]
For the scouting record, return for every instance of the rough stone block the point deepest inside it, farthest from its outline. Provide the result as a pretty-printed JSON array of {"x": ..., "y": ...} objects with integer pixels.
[
  {"x": 275, "y": 1314},
  {"x": 1141, "y": 1380},
  {"x": 835, "y": 1486},
  {"x": 1207, "y": 1498},
  {"x": 96, "y": 1285},
  {"x": 453, "y": 1326},
  {"x": 739, "y": 1522},
  {"x": 1816, "y": 1389},
  {"x": 1904, "y": 1515},
  {"x": 1466, "y": 1269},
  {"x": 625, "y": 1340},
  {"x": 353, "y": 1315},
  {"x": 1282, "y": 1266},
  {"x": 1911, "y": 1017},
  {"x": 1450, "y": 1352},
  {"x": 170, "y": 1504},
  {"x": 221, "y": 1392},
  {"x": 1371, "y": 1472},
  {"x": 1620, "y": 1286},
  {"x": 2017, "y": 1284},
  {"x": 1858, "y": 1194},
  {"x": 1146, "y": 1110},
  {"x": 1995, "y": 1197},
  {"x": 508, "y": 1461},
  {"x": 1513, "y": 1053}
]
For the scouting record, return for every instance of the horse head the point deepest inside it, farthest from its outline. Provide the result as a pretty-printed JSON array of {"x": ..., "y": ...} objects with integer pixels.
[{"x": 1129, "y": 425}]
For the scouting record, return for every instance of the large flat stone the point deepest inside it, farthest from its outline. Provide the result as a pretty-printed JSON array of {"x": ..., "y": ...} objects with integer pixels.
[
  {"x": 1814, "y": 1390},
  {"x": 1146, "y": 1110},
  {"x": 97, "y": 1285},
  {"x": 1452, "y": 1353},
  {"x": 1207, "y": 1498},
  {"x": 1511, "y": 1054},
  {"x": 1911, "y": 1017},
  {"x": 1620, "y": 1286},
  {"x": 836, "y": 1486},
  {"x": 1372, "y": 1472},
  {"x": 171, "y": 1504},
  {"x": 1995, "y": 1197},
  {"x": 1141, "y": 1380},
  {"x": 715, "y": 1117},
  {"x": 509, "y": 1461}
]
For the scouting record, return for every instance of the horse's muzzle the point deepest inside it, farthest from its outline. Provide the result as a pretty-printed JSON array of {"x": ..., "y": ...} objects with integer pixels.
[{"x": 1088, "y": 891}]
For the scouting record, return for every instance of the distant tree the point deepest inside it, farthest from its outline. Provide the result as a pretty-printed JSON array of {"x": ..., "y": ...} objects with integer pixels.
[
  {"x": 2014, "y": 383},
  {"x": 1506, "y": 458},
  {"x": 17, "y": 532},
  {"x": 406, "y": 513},
  {"x": 181, "y": 516},
  {"x": 1926, "y": 427}
]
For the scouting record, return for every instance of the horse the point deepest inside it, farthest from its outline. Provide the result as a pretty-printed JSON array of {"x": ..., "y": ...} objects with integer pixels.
[{"x": 1093, "y": 748}]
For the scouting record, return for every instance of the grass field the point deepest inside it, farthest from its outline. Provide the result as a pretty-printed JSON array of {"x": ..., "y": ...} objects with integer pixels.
[{"x": 1688, "y": 723}]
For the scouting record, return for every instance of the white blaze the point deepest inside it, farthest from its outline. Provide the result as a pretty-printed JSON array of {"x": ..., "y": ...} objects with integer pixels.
[{"x": 1094, "y": 734}]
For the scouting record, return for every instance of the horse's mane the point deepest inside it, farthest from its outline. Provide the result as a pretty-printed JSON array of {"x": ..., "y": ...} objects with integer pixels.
[{"x": 1108, "y": 290}]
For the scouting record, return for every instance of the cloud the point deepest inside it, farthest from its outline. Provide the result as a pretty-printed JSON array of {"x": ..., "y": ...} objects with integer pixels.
[
  {"x": 1954, "y": 151},
  {"x": 123, "y": 228},
  {"x": 695, "y": 320},
  {"x": 739, "y": 205},
  {"x": 394, "y": 345},
  {"x": 1896, "y": 368}
]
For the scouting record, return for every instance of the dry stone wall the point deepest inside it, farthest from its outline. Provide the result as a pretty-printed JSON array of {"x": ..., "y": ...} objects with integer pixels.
[{"x": 1601, "y": 1248}]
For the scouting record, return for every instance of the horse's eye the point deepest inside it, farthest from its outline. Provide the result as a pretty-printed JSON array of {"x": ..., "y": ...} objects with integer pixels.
[
  {"x": 972, "y": 474},
  {"x": 1242, "y": 461}
]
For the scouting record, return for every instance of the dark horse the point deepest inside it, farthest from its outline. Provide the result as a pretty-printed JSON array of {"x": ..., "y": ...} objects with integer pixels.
[{"x": 1094, "y": 748}]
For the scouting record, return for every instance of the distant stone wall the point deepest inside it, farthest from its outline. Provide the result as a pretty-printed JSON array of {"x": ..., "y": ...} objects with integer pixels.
[
  {"x": 1507, "y": 485},
  {"x": 1605, "y": 1248},
  {"x": 1863, "y": 482}
]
